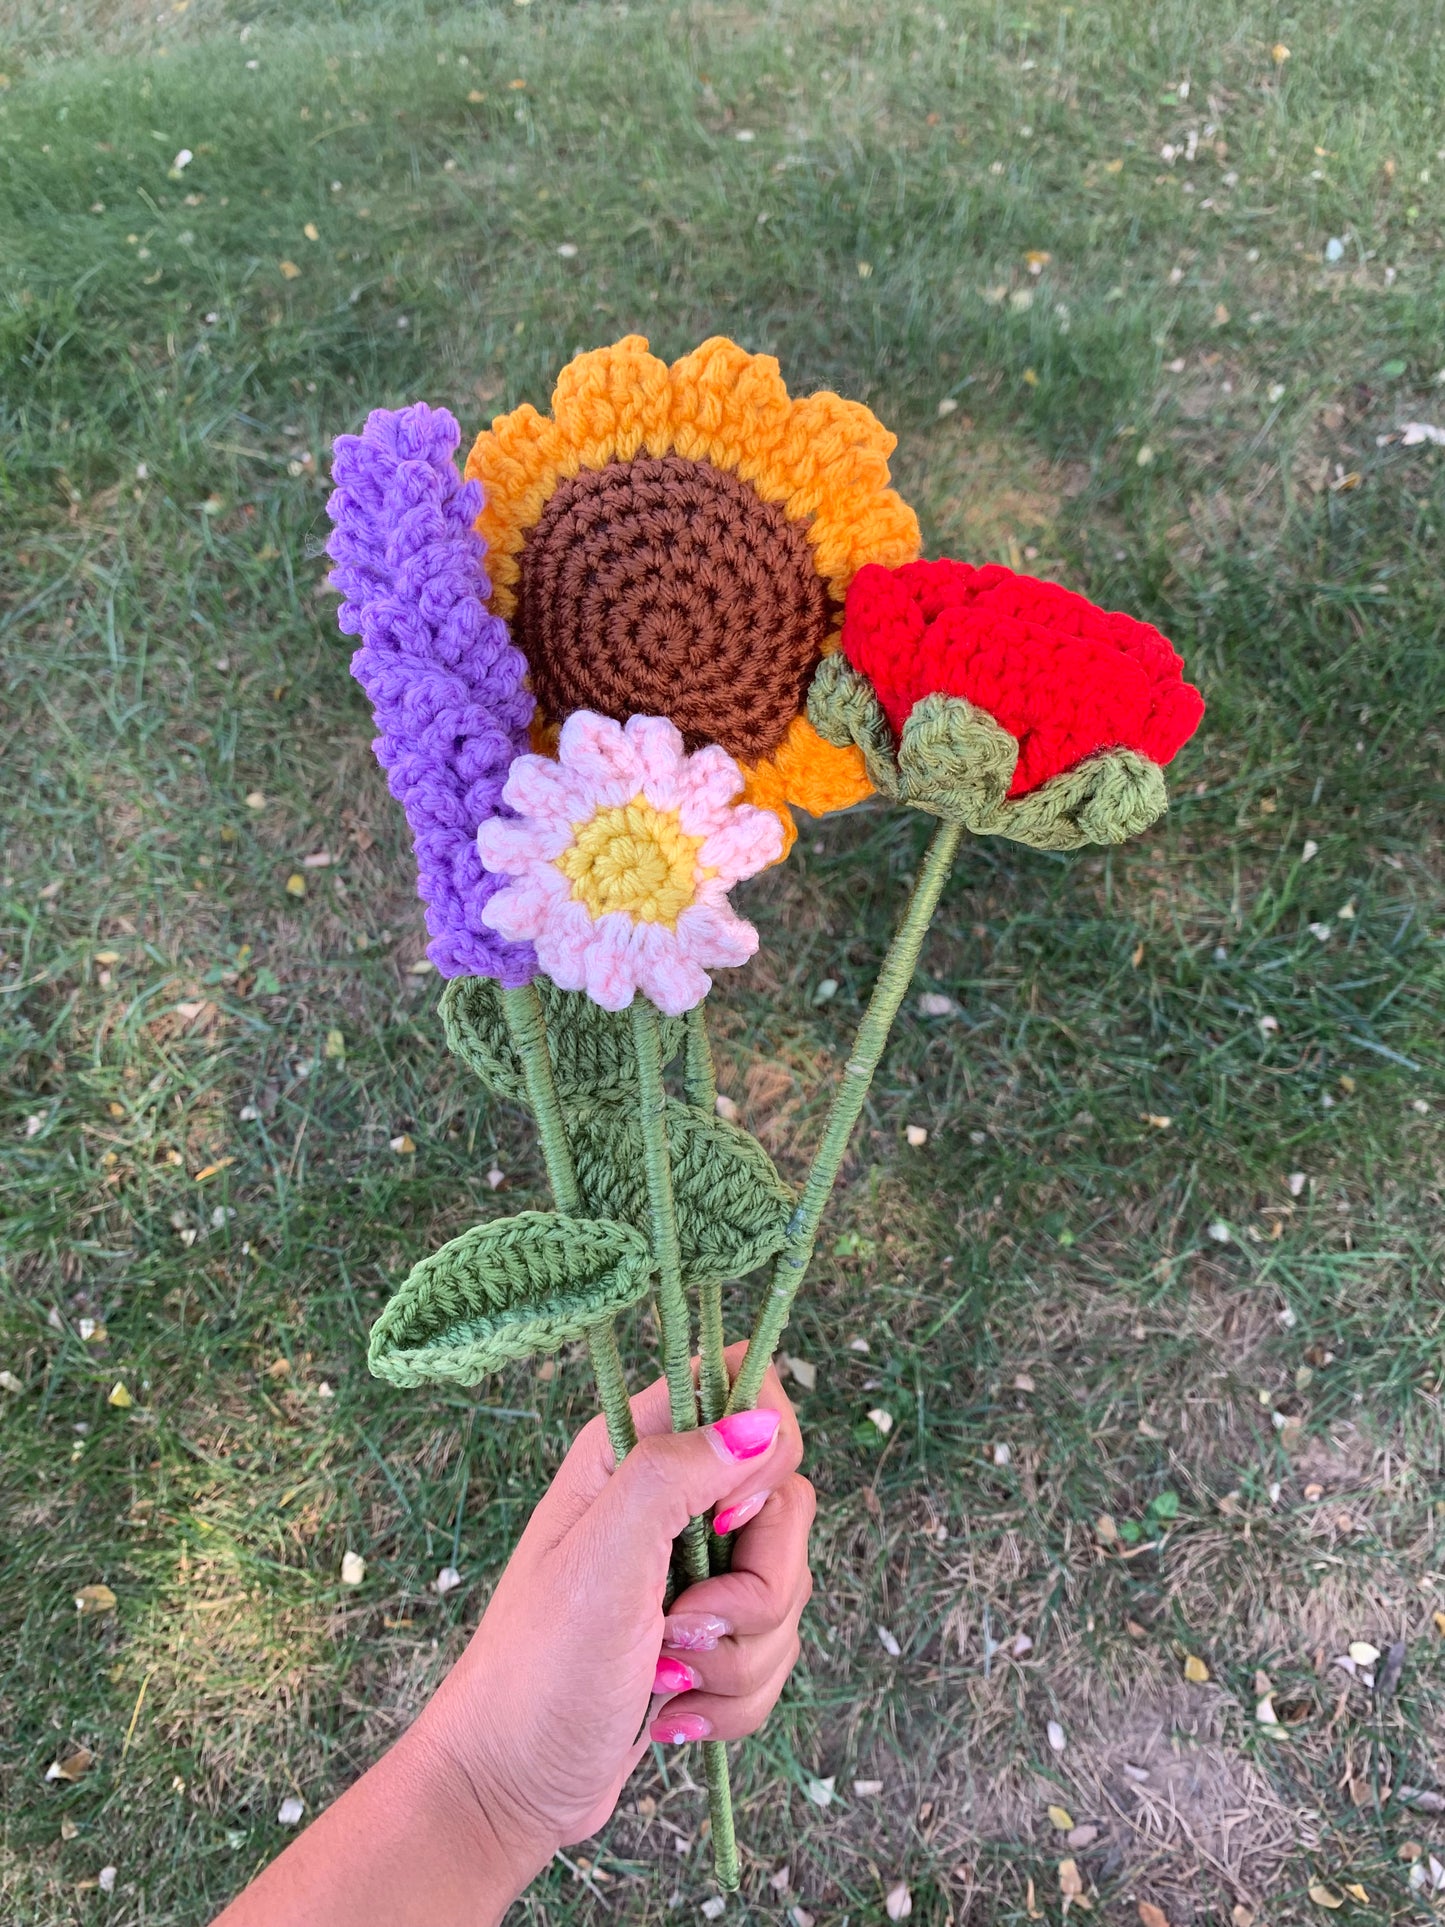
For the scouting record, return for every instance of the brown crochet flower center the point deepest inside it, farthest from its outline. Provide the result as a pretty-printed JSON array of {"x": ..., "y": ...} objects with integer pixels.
[{"x": 667, "y": 587}]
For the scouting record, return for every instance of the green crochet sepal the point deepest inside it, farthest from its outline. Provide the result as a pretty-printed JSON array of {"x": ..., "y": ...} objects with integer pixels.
[
  {"x": 504, "y": 1291},
  {"x": 956, "y": 762},
  {"x": 732, "y": 1207},
  {"x": 592, "y": 1054}
]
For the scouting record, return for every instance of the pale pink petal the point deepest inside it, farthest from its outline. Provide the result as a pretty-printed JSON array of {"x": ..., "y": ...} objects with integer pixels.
[
  {"x": 714, "y": 934},
  {"x": 601, "y": 753},
  {"x": 538, "y": 787},
  {"x": 749, "y": 841},
  {"x": 563, "y": 946},
  {"x": 709, "y": 783},
  {"x": 509, "y": 848},
  {"x": 661, "y": 758},
  {"x": 673, "y": 981},
  {"x": 611, "y": 967},
  {"x": 518, "y": 912}
]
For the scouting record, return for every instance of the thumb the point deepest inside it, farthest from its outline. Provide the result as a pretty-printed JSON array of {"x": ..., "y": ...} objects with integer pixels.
[{"x": 671, "y": 1477}]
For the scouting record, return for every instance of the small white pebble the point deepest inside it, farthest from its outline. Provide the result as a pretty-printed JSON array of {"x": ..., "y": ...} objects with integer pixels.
[
  {"x": 1321, "y": 932},
  {"x": 820, "y": 1792},
  {"x": 888, "y": 1642},
  {"x": 1296, "y": 1182},
  {"x": 714, "y": 1907},
  {"x": 447, "y": 1580},
  {"x": 289, "y": 1813},
  {"x": 1057, "y": 1742},
  {"x": 105, "y": 1880},
  {"x": 568, "y": 250},
  {"x": 858, "y": 1345},
  {"x": 323, "y": 1390},
  {"x": 745, "y": 134},
  {"x": 827, "y": 990},
  {"x": 899, "y": 1903},
  {"x": 867, "y": 1789},
  {"x": 726, "y": 1109},
  {"x": 882, "y": 1418},
  {"x": 917, "y": 1136},
  {"x": 947, "y": 406},
  {"x": 1220, "y": 1232},
  {"x": 1420, "y": 1105},
  {"x": 10, "y": 1383},
  {"x": 1363, "y": 1653},
  {"x": 1001, "y": 1453},
  {"x": 1310, "y": 851},
  {"x": 933, "y": 1003},
  {"x": 496, "y": 1178},
  {"x": 1268, "y": 1026},
  {"x": 978, "y": 1137},
  {"x": 353, "y": 1569}
]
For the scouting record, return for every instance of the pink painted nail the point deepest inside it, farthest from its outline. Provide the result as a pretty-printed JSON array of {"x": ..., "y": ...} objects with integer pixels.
[
  {"x": 738, "y": 1515},
  {"x": 744, "y": 1435},
  {"x": 673, "y": 1676},
  {"x": 679, "y": 1729},
  {"x": 694, "y": 1632}
]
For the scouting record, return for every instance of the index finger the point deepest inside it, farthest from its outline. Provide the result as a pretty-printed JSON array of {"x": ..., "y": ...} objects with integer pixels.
[{"x": 769, "y": 1583}]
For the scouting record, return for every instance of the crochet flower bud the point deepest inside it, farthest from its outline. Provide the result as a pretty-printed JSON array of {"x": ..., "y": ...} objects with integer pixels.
[{"x": 1008, "y": 704}]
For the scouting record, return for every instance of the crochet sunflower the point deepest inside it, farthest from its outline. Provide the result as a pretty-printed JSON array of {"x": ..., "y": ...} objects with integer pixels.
[{"x": 679, "y": 541}]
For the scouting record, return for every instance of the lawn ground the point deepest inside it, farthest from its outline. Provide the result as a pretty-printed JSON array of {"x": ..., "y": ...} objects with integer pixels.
[{"x": 1148, "y": 295}]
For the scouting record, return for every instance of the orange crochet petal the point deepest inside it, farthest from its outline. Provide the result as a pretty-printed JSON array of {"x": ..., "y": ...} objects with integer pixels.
[
  {"x": 608, "y": 403},
  {"x": 817, "y": 775},
  {"x": 728, "y": 407},
  {"x": 517, "y": 461}
]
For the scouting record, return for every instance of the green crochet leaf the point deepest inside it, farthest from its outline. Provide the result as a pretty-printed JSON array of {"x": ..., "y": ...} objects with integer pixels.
[
  {"x": 732, "y": 1207},
  {"x": 592, "y": 1050},
  {"x": 957, "y": 762},
  {"x": 504, "y": 1291}
]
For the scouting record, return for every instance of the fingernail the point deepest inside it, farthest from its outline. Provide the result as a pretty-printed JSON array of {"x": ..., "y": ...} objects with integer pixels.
[
  {"x": 673, "y": 1676},
  {"x": 737, "y": 1515},
  {"x": 694, "y": 1633},
  {"x": 744, "y": 1435},
  {"x": 680, "y": 1729}
]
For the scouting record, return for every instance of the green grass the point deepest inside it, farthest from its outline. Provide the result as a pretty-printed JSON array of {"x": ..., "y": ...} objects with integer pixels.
[{"x": 1262, "y": 1416}]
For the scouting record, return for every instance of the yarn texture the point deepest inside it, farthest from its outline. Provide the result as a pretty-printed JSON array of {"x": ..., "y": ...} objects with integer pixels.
[
  {"x": 505, "y": 1291},
  {"x": 622, "y": 855},
  {"x": 1065, "y": 679},
  {"x": 957, "y": 763},
  {"x": 732, "y": 1208},
  {"x": 444, "y": 681},
  {"x": 648, "y": 587},
  {"x": 678, "y": 541},
  {"x": 591, "y": 1048}
]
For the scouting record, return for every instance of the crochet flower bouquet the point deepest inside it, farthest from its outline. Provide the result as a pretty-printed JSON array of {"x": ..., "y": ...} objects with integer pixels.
[{"x": 605, "y": 667}]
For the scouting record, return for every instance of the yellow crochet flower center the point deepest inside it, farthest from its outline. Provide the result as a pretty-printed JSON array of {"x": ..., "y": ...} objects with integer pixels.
[
  {"x": 824, "y": 459},
  {"x": 636, "y": 859}
]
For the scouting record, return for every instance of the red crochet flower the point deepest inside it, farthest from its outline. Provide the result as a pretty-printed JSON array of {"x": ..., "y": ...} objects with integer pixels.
[{"x": 1064, "y": 678}]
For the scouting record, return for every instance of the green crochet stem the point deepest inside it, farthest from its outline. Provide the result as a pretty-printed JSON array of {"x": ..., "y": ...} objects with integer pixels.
[
  {"x": 700, "y": 1080},
  {"x": 888, "y": 993},
  {"x": 528, "y": 1028},
  {"x": 699, "y": 1076},
  {"x": 677, "y": 1364}
]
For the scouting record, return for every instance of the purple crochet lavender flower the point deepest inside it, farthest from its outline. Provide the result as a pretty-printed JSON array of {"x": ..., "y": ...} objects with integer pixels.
[{"x": 445, "y": 683}]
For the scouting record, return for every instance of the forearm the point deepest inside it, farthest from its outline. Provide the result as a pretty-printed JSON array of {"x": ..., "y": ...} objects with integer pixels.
[{"x": 409, "y": 1844}]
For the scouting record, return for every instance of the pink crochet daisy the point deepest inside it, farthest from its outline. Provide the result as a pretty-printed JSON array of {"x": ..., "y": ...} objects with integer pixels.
[{"x": 623, "y": 855}]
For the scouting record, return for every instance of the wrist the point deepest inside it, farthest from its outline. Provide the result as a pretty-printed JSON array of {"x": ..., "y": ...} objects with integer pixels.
[{"x": 465, "y": 1775}]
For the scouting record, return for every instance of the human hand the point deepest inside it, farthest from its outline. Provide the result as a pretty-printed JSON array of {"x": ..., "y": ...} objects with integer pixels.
[{"x": 543, "y": 1716}]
